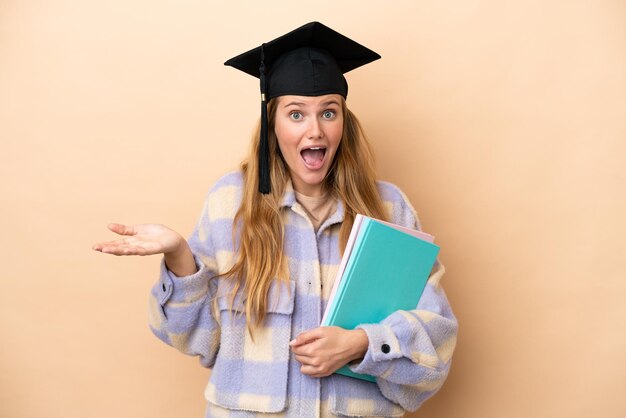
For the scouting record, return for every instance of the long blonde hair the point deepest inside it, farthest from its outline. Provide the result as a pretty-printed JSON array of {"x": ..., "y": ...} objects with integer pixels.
[{"x": 258, "y": 225}]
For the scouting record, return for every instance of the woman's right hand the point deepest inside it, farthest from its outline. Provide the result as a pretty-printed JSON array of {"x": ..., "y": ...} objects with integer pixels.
[{"x": 144, "y": 239}]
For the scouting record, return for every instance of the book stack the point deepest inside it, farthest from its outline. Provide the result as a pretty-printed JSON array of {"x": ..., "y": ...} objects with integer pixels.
[{"x": 384, "y": 269}]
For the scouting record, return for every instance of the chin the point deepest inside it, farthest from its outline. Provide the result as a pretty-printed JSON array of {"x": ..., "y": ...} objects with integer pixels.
[
  {"x": 316, "y": 180},
  {"x": 312, "y": 181}
]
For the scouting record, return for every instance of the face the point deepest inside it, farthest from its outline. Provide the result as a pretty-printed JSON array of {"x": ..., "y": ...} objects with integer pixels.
[{"x": 309, "y": 131}]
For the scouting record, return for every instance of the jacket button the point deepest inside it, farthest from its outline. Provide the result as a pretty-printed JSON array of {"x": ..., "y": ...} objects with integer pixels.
[
  {"x": 163, "y": 287},
  {"x": 385, "y": 348}
]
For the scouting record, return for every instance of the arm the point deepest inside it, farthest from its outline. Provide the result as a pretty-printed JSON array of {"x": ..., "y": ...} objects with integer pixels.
[
  {"x": 181, "y": 261},
  {"x": 180, "y": 306},
  {"x": 180, "y": 312},
  {"x": 410, "y": 352}
]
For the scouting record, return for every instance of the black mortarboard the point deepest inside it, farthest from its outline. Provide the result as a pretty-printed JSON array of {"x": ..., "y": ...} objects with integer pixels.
[{"x": 308, "y": 61}]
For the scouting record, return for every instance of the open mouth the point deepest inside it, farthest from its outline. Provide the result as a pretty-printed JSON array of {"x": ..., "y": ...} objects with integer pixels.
[{"x": 313, "y": 157}]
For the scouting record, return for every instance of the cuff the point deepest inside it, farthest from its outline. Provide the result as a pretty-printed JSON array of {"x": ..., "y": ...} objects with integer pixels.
[
  {"x": 181, "y": 289},
  {"x": 383, "y": 346}
]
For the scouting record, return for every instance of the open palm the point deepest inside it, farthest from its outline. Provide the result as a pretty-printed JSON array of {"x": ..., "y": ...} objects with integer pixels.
[{"x": 144, "y": 239}]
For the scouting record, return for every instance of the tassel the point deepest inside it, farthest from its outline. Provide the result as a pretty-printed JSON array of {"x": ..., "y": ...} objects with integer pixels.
[{"x": 264, "y": 147}]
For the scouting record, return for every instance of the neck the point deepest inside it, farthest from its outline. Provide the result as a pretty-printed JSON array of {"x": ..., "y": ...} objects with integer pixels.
[{"x": 317, "y": 190}]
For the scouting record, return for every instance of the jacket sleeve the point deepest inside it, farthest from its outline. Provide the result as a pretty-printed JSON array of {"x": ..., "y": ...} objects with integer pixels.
[
  {"x": 180, "y": 308},
  {"x": 410, "y": 352}
]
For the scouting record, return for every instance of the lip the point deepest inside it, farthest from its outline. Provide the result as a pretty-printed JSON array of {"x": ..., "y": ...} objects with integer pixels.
[{"x": 317, "y": 165}]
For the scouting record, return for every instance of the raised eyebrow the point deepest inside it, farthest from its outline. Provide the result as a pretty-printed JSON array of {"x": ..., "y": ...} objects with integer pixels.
[
  {"x": 294, "y": 104},
  {"x": 324, "y": 104}
]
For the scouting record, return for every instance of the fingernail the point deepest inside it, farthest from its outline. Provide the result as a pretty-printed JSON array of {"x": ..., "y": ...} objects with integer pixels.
[{"x": 292, "y": 342}]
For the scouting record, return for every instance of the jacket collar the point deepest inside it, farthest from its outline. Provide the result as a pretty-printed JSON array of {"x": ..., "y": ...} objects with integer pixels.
[
  {"x": 289, "y": 201},
  {"x": 289, "y": 197}
]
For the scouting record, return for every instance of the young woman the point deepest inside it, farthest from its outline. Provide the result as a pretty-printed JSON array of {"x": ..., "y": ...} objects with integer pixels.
[{"x": 246, "y": 292}]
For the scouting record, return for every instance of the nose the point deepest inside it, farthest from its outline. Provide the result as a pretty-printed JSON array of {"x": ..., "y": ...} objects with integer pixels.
[{"x": 314, "y": 129}]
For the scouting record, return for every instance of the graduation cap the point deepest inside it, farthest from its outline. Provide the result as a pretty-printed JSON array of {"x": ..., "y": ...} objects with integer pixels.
[{"x": 308, "y": 61}]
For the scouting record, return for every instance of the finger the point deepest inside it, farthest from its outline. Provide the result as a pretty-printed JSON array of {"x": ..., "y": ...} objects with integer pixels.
[
  {"x": 308, "y": 370},
  {"x": 123, "y": 249},
  {"x": 114, "y": 243},
  {"x": 314, "y": 371},
  {"x": 303, "y": 347},
  {"x": 121, "y": 229},
  {"x": 99, "y": 246},
  {"x": 306, "y": 360},
  {"x": 303, "y": 353},
  {"x": 129, "y": 246},
  {"x": 321, "y": 374},
  {"x": 307, "y": 337},
  {"x": 304, "y": 350},
  {"x": 115, "y": 250}
]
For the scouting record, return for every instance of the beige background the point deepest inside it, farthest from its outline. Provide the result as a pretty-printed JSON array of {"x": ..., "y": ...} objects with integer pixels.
[{"x": 503, "y": 121}]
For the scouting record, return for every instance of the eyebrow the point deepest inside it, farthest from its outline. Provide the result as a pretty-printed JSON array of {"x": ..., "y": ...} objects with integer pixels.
[
  {"x": 329, "y": 102},
  {"x": 294, "y": 104}
]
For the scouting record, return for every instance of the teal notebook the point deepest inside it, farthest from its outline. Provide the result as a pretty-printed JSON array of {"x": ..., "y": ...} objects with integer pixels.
[{"x": 384, "y": 269}]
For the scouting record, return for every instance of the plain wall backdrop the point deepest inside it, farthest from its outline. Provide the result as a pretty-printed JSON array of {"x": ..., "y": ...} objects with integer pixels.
[{"x": 503, "y": 121}]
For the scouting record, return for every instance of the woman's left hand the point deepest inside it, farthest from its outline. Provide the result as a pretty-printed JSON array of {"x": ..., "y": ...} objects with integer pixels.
[{"x": 323, "y": 350}]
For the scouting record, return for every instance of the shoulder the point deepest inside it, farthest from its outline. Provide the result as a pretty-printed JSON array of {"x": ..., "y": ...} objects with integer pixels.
[
  {"x": 398, "y": 206},
  {"x": 224, "y": 196},
  {"x": 389, "y": 192},
  {"x": 230, "y": 180}
]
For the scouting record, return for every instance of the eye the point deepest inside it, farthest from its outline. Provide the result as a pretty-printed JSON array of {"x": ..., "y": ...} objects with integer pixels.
[
  {"x": 295, "y": 115},
  {"x": 328, "y": 114}
]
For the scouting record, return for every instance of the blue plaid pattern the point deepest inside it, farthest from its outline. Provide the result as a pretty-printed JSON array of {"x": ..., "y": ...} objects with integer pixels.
[{"x": 261, "y": 378}]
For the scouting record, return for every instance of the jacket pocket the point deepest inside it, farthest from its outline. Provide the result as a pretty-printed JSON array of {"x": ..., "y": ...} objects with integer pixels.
[
  {"x": 252, "y": 375},
  {"x": 350, "y": 397}
]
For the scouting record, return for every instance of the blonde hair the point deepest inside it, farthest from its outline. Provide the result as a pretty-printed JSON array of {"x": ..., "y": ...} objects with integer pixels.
[{"x": 258, "y": 224}]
